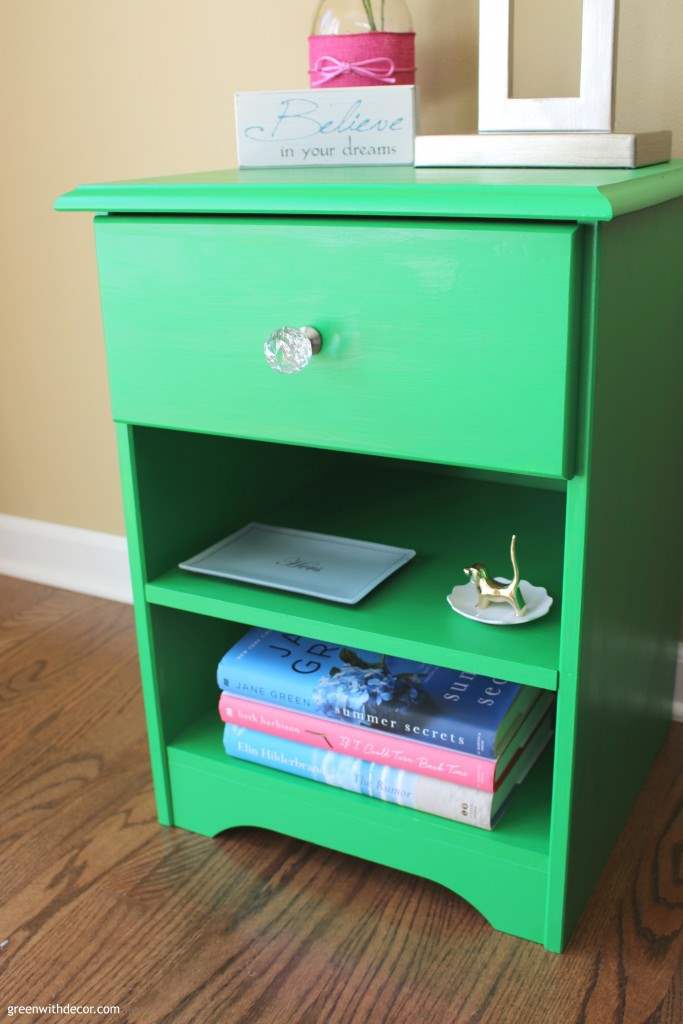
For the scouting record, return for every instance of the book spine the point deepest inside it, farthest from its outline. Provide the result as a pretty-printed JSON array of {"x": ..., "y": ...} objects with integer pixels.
[
  {"x": 361, "y": 742},
  {"x": 431, "y": 796}
]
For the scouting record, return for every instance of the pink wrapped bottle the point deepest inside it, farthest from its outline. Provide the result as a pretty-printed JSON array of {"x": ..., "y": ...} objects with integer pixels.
[{"x": 360, "y": 43}]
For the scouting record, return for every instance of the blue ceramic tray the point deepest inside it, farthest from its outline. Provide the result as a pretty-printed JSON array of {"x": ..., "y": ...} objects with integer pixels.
[{"x": 331, "y": 568}]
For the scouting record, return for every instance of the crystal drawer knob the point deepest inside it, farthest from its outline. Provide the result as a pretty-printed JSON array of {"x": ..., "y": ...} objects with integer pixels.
[{"x": 290, "y": 349}]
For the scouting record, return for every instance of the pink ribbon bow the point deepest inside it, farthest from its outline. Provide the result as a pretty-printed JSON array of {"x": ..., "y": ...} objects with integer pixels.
[{"x": 380, "y": 69}]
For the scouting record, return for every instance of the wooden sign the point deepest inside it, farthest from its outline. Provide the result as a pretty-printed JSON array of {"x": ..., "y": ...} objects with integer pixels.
[
  {"x": 591, "y": 111},
  {"x": 326, "y": 127}
]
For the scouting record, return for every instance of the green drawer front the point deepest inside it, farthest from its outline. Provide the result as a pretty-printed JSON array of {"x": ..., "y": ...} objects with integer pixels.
[{"x": 443, "y": 341}]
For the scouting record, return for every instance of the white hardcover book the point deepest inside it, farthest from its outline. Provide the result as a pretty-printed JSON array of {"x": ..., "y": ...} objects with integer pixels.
[{"x": 544, "y": 149}]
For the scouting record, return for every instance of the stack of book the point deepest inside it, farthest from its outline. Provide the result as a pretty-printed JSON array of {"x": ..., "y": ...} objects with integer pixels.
[{"x": 433, "y": 739}]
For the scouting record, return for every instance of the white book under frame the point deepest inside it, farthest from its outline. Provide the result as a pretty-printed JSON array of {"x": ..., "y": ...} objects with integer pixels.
[{"x": 544, "y": 149}]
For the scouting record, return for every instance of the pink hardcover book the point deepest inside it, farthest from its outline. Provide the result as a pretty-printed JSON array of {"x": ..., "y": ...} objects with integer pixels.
[{"x": 360, "y": 741}]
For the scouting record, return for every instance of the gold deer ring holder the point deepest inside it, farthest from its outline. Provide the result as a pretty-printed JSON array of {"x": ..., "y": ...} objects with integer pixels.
[{"x": 523, "y": 601}]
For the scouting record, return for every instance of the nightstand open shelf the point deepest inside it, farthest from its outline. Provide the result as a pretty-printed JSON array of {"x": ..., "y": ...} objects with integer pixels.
[
  {"x": 449, "y": 520},
  {"x": 501, "y": 353},
  {"x": 524, "y": 827},
  {"x": 211, "y": 791}
]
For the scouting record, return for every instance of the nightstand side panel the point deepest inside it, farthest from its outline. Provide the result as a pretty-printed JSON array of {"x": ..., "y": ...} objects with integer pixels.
[{"x": 624, "y": 535}]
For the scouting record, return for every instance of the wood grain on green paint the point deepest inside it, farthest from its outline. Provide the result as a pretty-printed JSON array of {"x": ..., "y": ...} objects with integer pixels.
[{"x": 448, "y": 342}]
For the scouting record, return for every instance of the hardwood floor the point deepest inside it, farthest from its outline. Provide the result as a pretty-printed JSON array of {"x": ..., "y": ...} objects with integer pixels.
[{"x": 102, "y": 906}]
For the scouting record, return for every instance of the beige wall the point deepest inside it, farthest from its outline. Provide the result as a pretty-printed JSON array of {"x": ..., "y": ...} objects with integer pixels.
[{"x": 105, "y": 89}]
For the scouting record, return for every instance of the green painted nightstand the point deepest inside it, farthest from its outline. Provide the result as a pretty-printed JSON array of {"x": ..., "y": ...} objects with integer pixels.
[{"x": 502, "y": 351}]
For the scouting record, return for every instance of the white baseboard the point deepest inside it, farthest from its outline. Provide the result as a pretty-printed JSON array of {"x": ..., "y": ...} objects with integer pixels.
[
  {"x": 97, "y": 564},
  {"x": 678, "y": 695},
  {"x": 65, "y": 556}
]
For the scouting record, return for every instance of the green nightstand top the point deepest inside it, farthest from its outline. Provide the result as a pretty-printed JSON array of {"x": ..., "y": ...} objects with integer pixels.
[{"x": 583, "y": 195}]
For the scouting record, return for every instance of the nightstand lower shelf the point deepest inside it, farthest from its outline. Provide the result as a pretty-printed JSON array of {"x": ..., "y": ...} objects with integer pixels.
[{"x": 503, "y": 873}]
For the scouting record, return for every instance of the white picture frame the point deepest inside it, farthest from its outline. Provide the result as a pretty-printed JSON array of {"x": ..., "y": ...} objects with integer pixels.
[{"x": 592, "y": 111}]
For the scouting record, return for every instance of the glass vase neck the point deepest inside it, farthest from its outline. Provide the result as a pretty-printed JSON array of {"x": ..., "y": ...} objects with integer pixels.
[{"x": 351, "y": 17}]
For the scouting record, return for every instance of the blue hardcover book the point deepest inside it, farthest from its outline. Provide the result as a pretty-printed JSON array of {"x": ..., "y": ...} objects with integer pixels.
[{"x": 444, "y": 707}]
